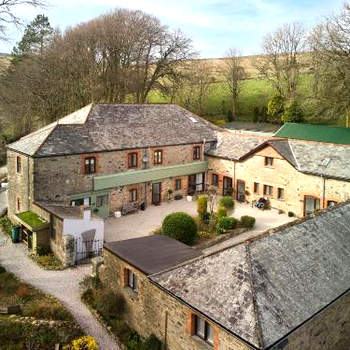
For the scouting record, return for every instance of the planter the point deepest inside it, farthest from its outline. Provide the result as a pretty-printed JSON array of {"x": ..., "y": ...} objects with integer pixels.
[
  {"x": 118, "y": 214},
  {"x": 189, "y": 198}
]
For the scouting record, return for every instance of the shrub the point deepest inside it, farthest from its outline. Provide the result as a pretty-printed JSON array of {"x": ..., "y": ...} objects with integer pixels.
[
  {"x": 178, "y": 197},
  {"x": 213, "y": 222},
  {"x": 152, "y": 343},
  {"x": 226, "y": 223},
  {"x": 158, "y": 231},
  {"x": 220, "y": 122},
  {"x": 48, "y": 262},
  {"x": 6, "y": 225},
  {"x": 86, "y": 342},
  {"x": 43, "y": 310},
  {"x": 41, "y": 251},
  {"x": 205, "y": 218},
  {"x": 2, "y": 269},
  {"x": 293, "y": 113},
  {"x": 222, "y": 211},
  {"x": 108, "y": 304},
  {"x": 202, "y": 205},
  {"x": 122, "y": 330},
  {"x": 24, "y": 292},
  {"x": 227, "y": 202},
  {"x": 247, "y": 221},
  {"x": 180, "y": 226},
  {"x": 291, "y": 214}
]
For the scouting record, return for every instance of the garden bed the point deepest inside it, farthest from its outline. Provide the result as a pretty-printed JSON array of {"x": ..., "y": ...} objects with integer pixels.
[
  {"x": 42, "y": 323},
  {"x": 48, "y": 261}
]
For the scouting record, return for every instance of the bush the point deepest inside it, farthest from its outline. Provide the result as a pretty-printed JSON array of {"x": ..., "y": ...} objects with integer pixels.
[
  {"x": 178, "y": 197},
  {"x": 6, "y": 225},
  {"x": 205, "y": 218},
  {"x": 24, "y": 292},
  {"x": 213, "y": 221},
  {"x": 247, "y": 221},
  {"x": 291, "y": 214},
  {"x": 41, "y": 251},
  {"x": 45, "y": 311},
  {"x": 180, "y": 226},
  {"x": 226, "y": 223},
  {"x": 152, "y": 343},
  {"x": 48, "y": 262},
  {"x": 122, "y": 330},
  {"x": 293, "y": 113},
  {"x": 202, "y": 205},
  {"x": 158, "y": 231},
  {"x": 86, "y": 342},
  {"x": 220, "y": 122},
  {"x": 222, "y": 211},
  {"x": 2, "y": 269},
  {"x": 108, "y": 304},
  {"x": 227, "y": 202}
]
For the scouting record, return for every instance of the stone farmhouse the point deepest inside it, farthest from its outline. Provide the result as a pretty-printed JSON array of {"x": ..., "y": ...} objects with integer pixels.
[
  {"x": 288, "y": 289},
  {"x": 112, "y": 158}
]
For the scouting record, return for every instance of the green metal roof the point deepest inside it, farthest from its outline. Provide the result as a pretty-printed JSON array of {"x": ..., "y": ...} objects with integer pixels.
[
  {"x": 319, "y": 133},
  {"x": 147, "y": 175}
]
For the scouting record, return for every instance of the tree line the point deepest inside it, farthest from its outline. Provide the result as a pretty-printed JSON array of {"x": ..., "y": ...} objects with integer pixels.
[{"x": 127, "y": 56}]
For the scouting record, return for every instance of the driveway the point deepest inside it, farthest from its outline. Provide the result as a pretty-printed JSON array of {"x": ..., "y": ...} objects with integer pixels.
[
  {"x": 64, "y": 285},
  {"x": 144, "y": 222}
]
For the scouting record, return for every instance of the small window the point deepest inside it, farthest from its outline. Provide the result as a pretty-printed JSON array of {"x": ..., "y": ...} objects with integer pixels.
[
  {"x": 133, "y": 195},
  {"x": 18, "y": 205},
  {"x": 90, "y": 165},
  {"x": 268, "y": 161},
  {"x": 203, "y": 330},
  {"x": 158, "y": 157},
  {"x": 197, "y": 153},
  {"x": 101, "y": 200},
  {"x": 268, "y": 190},
  {"x": 215, "y": 179},
  {"x": 280, "y": 193},
  {"x": 256, "y": 187},
  {"x": 132, "y": 160},
  {"x": 178, "y": 184},
  {"x": 18, "y": 165},
  {"x": 131, "y": 280}
]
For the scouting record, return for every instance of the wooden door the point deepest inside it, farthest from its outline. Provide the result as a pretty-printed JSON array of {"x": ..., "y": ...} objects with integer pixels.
[
  {"x": 240, "y": 191},
  {"x": 227, "y": 186},
  {"x": 156, "y": 193}
]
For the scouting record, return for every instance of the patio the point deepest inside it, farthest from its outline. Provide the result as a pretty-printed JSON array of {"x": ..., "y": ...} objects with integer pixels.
[{"x": 145, "y": 222}]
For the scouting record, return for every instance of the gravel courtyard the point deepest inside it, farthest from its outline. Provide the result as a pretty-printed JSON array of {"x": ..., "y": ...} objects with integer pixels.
[{"x": 144, "y": 222}]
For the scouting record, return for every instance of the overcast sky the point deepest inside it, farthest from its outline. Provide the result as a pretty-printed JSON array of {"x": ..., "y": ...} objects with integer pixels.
[{"x": 213, "y": 25}]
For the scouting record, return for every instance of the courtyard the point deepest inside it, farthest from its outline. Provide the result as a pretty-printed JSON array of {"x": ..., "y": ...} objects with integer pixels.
[{"x": 143, "y": 223}]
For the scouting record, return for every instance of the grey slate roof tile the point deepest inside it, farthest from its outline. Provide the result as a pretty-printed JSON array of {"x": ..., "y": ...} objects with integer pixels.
[{"x": 100, "y": 127}]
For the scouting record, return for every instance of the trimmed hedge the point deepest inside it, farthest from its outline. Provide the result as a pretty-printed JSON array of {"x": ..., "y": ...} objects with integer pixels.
[
  {"x": 227, "y": 202},
  {"x": 226, "y": 223},
  {"x": 222, "y": 211},
  {"x": 180, "y": 226},
  {"x": 202, "y": 205},
  {"x": 247, "y": 221}
]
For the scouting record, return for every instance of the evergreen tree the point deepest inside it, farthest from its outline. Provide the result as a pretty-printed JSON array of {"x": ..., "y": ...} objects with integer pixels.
[
  {"x": 293, "y": 113},
  {"x": 36, "y": 37}
]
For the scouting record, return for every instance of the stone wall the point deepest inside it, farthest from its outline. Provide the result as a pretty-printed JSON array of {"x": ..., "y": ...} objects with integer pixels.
[
  {"x": 151, "y": 310},
  {"x": 57, "y": 178},
  {"x": 20, "y": 184},
  {"x": 283, "y": 175}
]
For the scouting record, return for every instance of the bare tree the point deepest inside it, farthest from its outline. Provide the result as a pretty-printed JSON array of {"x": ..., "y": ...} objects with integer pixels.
[
  {"x": 233, "y": 74},
  {"x": 330, "y": 45},
  {"x": 280, "y": 62},
  {"x": 8, "y": 15}
]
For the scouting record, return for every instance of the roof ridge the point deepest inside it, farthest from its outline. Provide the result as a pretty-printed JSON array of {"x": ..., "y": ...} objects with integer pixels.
[{"x": 258, "y": 330}]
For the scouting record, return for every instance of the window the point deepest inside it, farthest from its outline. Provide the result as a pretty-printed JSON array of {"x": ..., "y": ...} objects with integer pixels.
[
  {"x": 280, "y": 193},
  {"x": 178, "y": 184},
  {"x": 18, "y": 205},
  {"x": 133, "y": 195},
  {"x": 268, "y": 190},
  {"x": 81, "y": 201},
  {"x": 215, "y": 180},
  {"x": 268, "y": 161},
  {"x": 101, "y": 200},
  {"x": 90, "y": 165},
  {"x": 203, "y": 330},
  {"x": 256, "y": 187},
  {"x": 311, "y": 204},
  {"x": 131, "y": 280},
  {"x": 196, "y": 153},
  {"x": 132, "y": 160},
  {"x": 18, "y": 164},
  {"x": 158, "y": 157}
]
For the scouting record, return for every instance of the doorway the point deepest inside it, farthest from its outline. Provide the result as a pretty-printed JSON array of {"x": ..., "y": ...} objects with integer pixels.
[
  {"x": 240, "y": 191},
  {"x": 156, "y": 193}
]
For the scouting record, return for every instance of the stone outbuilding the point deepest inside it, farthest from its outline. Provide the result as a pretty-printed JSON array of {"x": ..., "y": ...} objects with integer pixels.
[{"x": 288, "y": 289}]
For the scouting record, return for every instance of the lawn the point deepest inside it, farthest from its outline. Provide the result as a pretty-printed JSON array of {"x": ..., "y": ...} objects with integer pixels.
[{"x": 42, "y": 323}]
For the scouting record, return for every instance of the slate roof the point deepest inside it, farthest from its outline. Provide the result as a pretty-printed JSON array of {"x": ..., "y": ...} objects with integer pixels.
[
  {"x": 100, "y": 127},
  {"x": 264, "y": 289},
  {"x": 152, "y": 254},
  {"x": 234, "y": 146},
  {"x": 311, "y": 132}
]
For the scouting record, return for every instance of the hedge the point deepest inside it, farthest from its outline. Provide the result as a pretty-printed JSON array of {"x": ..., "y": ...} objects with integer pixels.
[
  {"x": 247, "y": 221},
  {"x": 226, "y": 223},
  {"x": 222, "y": 211},
  {"x": 180, "y": 226}
]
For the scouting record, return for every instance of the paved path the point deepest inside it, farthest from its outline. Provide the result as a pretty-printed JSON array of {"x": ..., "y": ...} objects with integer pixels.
[{"x": 64, "y": 285}]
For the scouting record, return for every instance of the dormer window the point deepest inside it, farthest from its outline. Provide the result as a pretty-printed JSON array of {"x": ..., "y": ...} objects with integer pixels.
[{"x": 90, "y": 165}]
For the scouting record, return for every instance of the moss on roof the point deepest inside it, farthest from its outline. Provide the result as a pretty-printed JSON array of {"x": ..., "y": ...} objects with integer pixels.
[
  {"x": 32, "y": 219},
  {"x": 319, "y": 133}
]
